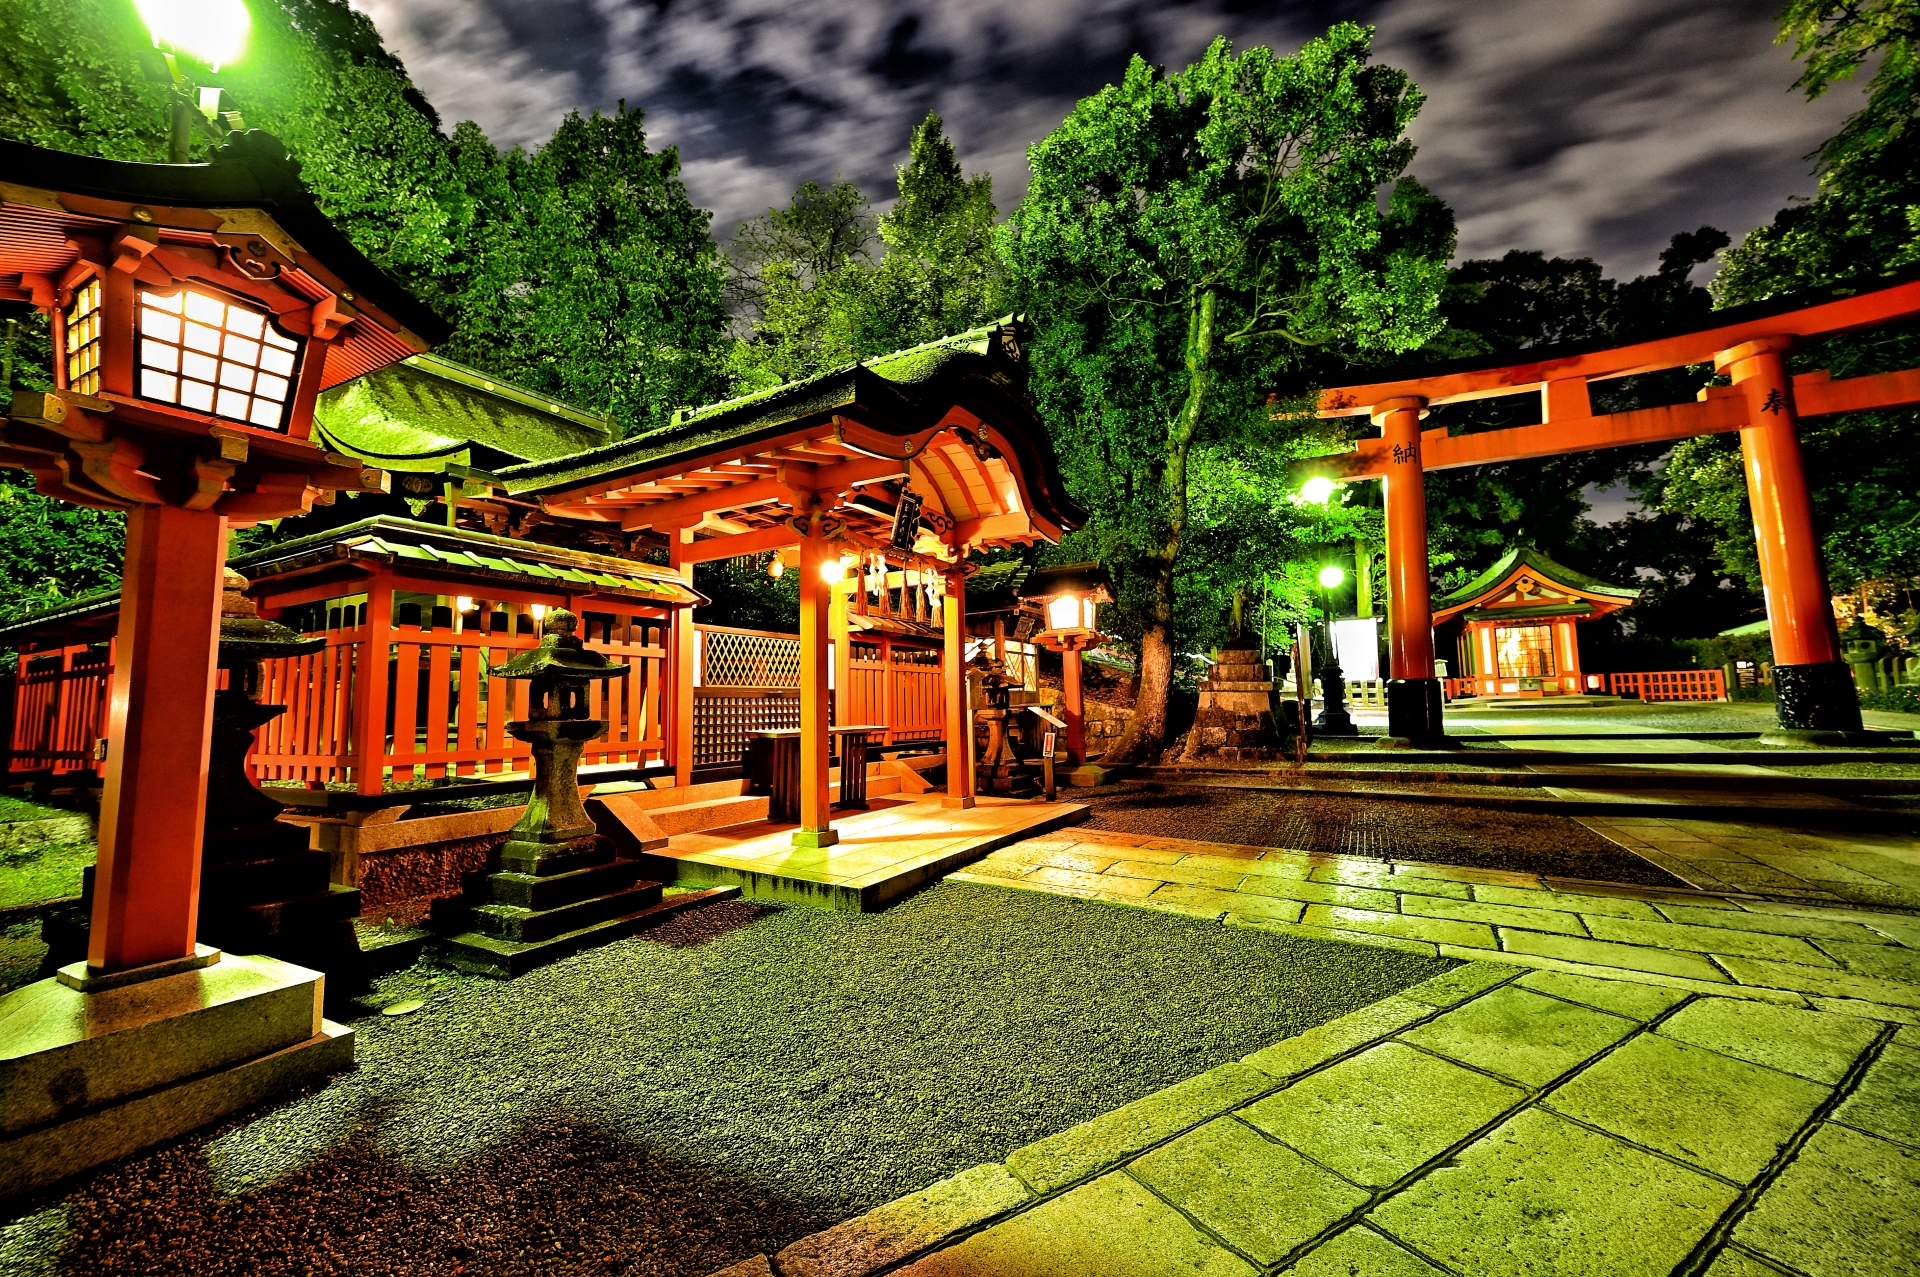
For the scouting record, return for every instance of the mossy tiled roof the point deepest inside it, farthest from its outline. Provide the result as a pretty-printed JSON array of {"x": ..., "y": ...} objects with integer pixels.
[
  {"x": 425, "y": 412},
  {"x": 889, "y": 382}
]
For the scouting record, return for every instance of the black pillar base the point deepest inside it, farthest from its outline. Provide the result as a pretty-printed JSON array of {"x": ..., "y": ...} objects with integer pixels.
[
  {"x": 1816, "y": 698},
  {"x": 1413, "y": 711}
]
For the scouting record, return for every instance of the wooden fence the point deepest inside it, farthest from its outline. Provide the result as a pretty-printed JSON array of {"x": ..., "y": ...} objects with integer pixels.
[
  {"x": 60, "y": 709},
  {"x": 1669, "y": 685}
]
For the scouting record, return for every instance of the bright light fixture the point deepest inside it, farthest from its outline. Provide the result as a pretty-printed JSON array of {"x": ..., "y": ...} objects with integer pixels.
[
  {"x": 1331, "y": 576},
  {"x": 463, "y": 604},
  {"x": 832, "y": 570},
  {"x": 775, "y": 568},
  {"x": 539, "y": 611},
  {"x": 211, "y": 31},
  {"x": 1063, "y": 612},
  {"x": 1316, "y": 489}
]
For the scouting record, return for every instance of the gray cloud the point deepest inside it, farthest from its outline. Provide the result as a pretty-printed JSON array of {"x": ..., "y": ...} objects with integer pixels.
[{"x": 1576, "y": 126}]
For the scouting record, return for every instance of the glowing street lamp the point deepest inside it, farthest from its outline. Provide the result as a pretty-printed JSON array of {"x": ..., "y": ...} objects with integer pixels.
[
  {"x": 208, "y": 31},
  {"x": 1317, "y": 489},
  {"x": 1331, "y": 577}
]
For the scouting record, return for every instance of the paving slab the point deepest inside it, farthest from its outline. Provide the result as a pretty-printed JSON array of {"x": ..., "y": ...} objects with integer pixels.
[
  {"x": 1260, "y": 1197},
  {"x": 1361, "y": 1252},
  {"x": 1622, "y": 997},
  {"x": 1811, "y": 1044},
  {"x": 1113, "y": 1137},
  {"x": 1831, "y": 983},
  {"x": 1887, "y": 1102},
  {"x": 1674, "y": 935},
  {"x": 1112, "y": 1227},
  {"x": 1712, "y": 1111},
  {"x": 1379, "y": 1115},
  {"x": 1843, "y": 1208},
  {"x": 1522, "y": 1035},
  {"x": 1297, "y": 1055},
  {"x": 1493, "y": 914},
  {"x": 1543, "y": 1197},
  {"x": 1459, "y": 984},
  {"x": 1602, "y": 953}
]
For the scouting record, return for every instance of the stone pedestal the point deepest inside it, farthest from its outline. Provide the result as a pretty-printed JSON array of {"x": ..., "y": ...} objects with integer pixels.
[
  {"x": 555, "y": 886},
  {"x": 96, "y": 1067},
  {"x": 1334, "y": 719},
  {"x": 1235, "y": 719}
]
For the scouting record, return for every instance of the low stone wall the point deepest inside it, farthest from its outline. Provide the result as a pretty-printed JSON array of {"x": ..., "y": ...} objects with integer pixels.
[
  {"x": 402, "y": 866},
  {"x": 1104, "y": 725}
]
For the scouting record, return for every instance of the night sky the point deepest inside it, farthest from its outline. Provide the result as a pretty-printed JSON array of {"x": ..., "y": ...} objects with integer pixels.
[{"x": 1582, "y": 127}]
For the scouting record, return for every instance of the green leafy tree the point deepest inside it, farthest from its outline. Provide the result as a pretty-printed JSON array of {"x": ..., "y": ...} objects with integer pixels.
[
  {"x": 593, "y": 276},
  {"x": 821, "y": 282},
  {"x": 1187, "y": 241},
  {"x": 1863, "y": 470}
]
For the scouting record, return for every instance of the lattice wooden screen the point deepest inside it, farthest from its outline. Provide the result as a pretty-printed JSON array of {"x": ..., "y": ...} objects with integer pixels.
[{"x": 748, "y": 658}]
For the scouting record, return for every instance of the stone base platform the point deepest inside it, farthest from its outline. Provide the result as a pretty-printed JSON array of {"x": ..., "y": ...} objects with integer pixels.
[
  {"x": 87, "y": 1077},
  {"x": 882, "y": 854}
]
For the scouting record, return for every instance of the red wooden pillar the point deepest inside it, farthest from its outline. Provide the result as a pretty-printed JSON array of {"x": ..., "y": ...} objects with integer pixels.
[
  {"x": 680, "y": 665},
  {"x": 1813, "y": 689},
  {"x": 953, "y": 669},
  {"x": 816, "y": 813},
  {"x": 374, "y": 668},
  {"x": 147, "y": 881},
  {"x": 1073, "y": 707},
  {"x": 1413, "y": 693}
]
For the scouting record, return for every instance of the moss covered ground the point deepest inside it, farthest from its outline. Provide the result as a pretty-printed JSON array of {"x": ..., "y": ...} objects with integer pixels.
[
  {"x": 45, "y": 871},
  {"x": 722, "y": 1086}
]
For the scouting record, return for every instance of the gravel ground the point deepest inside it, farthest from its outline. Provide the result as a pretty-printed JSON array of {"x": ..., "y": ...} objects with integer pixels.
[
  {"x": 672, "y": 1104},
  {"x": 1437, "y": 833}
]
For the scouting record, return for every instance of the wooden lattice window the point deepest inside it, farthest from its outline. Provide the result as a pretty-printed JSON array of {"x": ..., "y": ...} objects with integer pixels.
[
  {"x": 737, "y": 658},
  {"x": 201, "y": 352},
  {"x": 1525, "y": 651},
  {"x": 83, "y": 340}
]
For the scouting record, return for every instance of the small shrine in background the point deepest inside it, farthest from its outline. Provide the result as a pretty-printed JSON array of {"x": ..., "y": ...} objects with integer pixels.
[{"x": 1517, "y": 633}]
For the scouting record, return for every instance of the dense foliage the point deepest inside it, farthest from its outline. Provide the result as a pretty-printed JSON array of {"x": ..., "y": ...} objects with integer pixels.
[
  {"x": 814, "y": 291},
  {"x": 581, "y": 269},
  {"x": 1864, "y": 221},
  {"x": 1189, "y": 241}
]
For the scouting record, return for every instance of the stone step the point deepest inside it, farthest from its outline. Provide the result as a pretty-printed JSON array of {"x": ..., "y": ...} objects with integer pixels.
[
  {"x": 552, "y": 891},
  {"x": 711, "y": 813},
  {"x": 479, "y": 953},
  {"x": 1646, "y": 775},
  {"x": 526, "y": 926},
  {"x": 19, "y": 835},
  {"x": 225, "y": 883}
]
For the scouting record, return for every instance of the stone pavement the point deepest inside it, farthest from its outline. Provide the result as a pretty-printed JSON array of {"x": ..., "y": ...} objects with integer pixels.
[
  {"x": 1627, "y": 1082},
  {"x": 1873, "y": 868},
  {"x": 1793, "y": 952}
]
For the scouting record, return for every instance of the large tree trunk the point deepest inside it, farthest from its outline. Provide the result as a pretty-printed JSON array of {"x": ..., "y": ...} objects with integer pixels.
[{"x": 1146, "y": 733}]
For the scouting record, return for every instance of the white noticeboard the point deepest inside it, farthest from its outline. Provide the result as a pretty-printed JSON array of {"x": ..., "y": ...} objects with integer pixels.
[{"x": 1356, "y": 642}]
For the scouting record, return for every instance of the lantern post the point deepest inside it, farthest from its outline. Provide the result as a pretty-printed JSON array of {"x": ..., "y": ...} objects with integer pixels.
[
  {"x": 1070, "y": 596},
  {"x": 196, "y": 313}
]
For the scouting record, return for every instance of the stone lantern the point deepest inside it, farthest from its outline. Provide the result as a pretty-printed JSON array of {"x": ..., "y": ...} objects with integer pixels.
[
  {"x": 1070, "y": 595},
  {"x": 555, "y": 886}
]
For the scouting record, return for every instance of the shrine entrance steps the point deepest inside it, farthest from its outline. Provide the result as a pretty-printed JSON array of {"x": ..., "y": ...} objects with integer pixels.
[{"x": 883, "y": 854}]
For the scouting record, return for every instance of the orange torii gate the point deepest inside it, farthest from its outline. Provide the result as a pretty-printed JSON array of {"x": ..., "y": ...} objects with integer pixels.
[
  {"x": 918, "y": 458},
  {"x": 1750, "y": 345}
]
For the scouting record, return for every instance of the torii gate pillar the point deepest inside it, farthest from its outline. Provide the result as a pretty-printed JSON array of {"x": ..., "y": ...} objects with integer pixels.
[
  {"x": 1813, "y": 689},
  {"x": 1413, "y": 693}
]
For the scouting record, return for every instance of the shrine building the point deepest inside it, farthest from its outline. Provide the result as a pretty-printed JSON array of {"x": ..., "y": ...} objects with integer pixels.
[{"x": 1517, "y": 633}]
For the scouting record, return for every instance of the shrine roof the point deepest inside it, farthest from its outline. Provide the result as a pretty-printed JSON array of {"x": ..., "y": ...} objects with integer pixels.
[
  {"x": 1526, "y": 559},
  {"x": 427, "y": 412},
  {"x": 454, "y": 553},
  {"x": 471, "y": 555},
  {"x": 903, "y": 392}
]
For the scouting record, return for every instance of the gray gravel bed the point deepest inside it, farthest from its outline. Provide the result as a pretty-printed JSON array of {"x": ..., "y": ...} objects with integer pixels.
[
  {"x": 1447, "y": 834},
  {"x": 725, "y": 1085}
]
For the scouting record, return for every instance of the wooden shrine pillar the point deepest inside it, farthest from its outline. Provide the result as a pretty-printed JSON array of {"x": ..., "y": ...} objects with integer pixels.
[
  {"x": 681, "y": 658},
  {"x": 839, "y": 601},
  {"x": 953, "y": 670},
  {"x": 815, "y": 799},
  {"x": 147, "y": 881},
  {"x": 1073, "y": 707},
  {"x": 370, "y": 689},
  {"x": 1413, "y": 693},
  {"x": 1813, "y": 689}
]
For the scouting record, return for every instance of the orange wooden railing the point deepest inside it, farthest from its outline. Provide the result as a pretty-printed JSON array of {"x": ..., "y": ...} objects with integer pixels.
[
  {"x": 440, "y": 715},
  {"x": 1669, "y": 685},
  {"x": 60, "y": 710}
]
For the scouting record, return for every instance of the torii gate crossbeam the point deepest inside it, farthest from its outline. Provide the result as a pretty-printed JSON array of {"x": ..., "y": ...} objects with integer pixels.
[{"x": 1814, "y": 692}]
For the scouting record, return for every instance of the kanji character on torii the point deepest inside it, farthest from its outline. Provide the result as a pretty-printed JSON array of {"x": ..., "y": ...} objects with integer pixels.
[{"x": 1814, "y": 690}]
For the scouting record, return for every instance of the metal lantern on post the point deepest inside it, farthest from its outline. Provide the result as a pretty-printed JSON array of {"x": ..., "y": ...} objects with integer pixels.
[{"x": 1069, "y": 596}]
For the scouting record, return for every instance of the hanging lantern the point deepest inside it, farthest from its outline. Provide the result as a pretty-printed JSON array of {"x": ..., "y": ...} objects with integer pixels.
[{"x": 1069, "y": 597}]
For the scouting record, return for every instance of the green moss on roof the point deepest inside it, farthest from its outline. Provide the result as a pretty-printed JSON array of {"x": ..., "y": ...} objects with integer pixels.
[
  {"x": 695, "y": 428},
  {"x": 425, "y": 412}
]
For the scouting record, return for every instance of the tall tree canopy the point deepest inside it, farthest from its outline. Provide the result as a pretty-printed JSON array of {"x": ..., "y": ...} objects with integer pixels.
[
  {"x": 580, "y": 269},
  {"x": 1189, "y": 241},
  {"x": 1863, "y": 468},
  {"x": 814, "y": 291}
]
